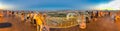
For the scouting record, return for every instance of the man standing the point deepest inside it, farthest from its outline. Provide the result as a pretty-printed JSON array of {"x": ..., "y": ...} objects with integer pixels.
[{"x": 40, "y": 21}]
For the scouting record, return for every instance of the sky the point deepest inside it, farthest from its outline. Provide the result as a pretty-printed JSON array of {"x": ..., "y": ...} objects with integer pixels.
[
  {"x": 113, "y": 5},
  {"x": 59, "y": 4}
]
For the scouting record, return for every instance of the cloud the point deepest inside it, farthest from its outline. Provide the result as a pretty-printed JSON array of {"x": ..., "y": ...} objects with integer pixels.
[{"x": 113, "y": 5}]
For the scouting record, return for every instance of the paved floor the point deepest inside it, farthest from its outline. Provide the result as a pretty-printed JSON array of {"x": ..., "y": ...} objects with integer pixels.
[
  {"x": 101, "y": 24},
  {"x": 17, "y": 25}
]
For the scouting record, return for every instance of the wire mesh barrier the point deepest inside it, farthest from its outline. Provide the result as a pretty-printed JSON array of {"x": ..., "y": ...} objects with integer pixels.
[{"x": 61, "y": 23}]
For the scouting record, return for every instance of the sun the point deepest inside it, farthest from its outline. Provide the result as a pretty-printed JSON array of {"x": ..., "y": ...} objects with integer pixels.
[
  {"x": 113, "y": 5},
  {"x": 5, "y": 6},
  {"x": 106, "y": 7},
  {"x": 1, "y": 6}
]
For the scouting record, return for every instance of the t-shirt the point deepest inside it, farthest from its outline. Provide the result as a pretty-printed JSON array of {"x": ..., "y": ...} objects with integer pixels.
[{"x": 39, "y": 19}]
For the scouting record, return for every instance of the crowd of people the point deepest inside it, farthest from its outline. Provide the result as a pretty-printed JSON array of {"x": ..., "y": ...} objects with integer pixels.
[
  {"x": 38, "y": 19},
  {"x": 115, "y": 15}
]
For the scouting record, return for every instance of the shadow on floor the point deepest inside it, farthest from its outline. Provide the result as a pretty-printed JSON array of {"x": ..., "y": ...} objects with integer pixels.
[{"x": 5, "y": 25}]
